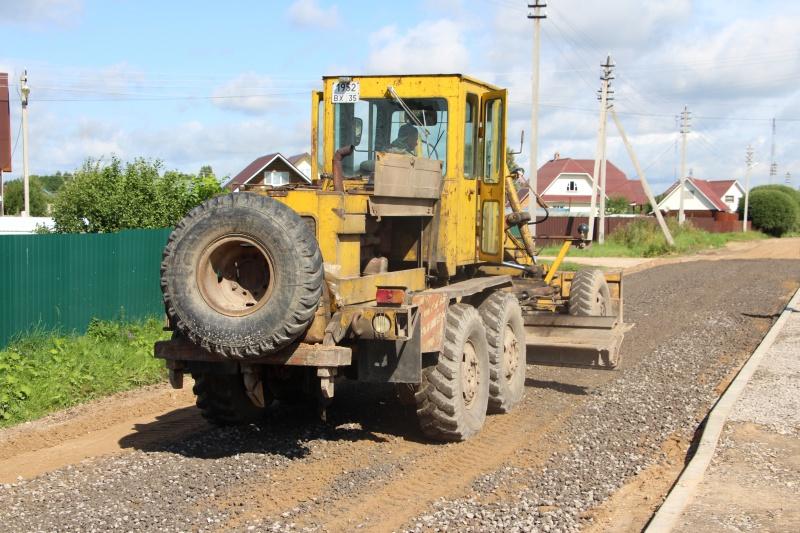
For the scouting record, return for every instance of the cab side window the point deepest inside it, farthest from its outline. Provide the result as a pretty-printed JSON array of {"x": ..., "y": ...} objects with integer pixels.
[
  {"x": 470, "y": 135},
  {"x": 493, "y": 141}
]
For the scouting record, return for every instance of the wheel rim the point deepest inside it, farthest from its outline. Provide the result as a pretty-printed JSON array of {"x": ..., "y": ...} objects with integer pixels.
[
  {"x": 470, "y": 374},
  {"x": 235, "y": 275},
  {"x": 510, "y": 353},
  {"x": 600, "y": 301}
]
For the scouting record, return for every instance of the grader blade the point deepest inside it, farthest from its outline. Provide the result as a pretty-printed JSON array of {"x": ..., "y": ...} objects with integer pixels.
[{"x": 576, "y": 341}]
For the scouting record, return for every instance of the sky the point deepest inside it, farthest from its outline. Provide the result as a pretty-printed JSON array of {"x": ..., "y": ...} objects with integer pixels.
[{"x": 221, "y": 83}]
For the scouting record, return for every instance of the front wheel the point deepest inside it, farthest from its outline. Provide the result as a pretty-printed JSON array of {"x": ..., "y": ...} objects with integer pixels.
[
  {"x": 505, "y": 332},
  {"x": 453, "y": 396},
  {"x": 589, "y": 294}
]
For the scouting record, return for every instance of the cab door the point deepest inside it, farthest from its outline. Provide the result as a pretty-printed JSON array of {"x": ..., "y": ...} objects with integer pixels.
[{"x": 491, "y": 193}]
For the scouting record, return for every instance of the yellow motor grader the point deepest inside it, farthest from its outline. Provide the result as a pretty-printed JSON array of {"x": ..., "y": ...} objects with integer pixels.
[{"x": 407, "y": 260}]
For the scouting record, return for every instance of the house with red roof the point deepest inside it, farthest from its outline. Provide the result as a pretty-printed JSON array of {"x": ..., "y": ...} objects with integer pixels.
[
  {"x": 565, "y": 184},
  {"x": 703, "y": 197},
  {"x": 273, "y": 170}
]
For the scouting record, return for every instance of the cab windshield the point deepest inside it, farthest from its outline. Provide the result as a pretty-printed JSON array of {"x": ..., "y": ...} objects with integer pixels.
[{"x": 381, "y": 125}]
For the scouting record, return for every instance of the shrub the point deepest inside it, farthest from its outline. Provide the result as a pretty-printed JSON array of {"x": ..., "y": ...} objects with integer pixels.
[
  {"x": 772, "y": 210},
  {"x": 106, "y": 198}
]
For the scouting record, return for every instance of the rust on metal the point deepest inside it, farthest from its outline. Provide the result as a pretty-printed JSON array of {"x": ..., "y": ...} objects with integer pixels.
[
  {"x": 234, "y": 275},
  {"x": 296, "y": 355},
  {"x": 338, "y": 173},
  {"x": 432, "y": 314}
]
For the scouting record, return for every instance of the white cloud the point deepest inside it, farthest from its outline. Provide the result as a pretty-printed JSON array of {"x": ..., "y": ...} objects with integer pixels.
[
  {"x": 308, "y": 13},
  {"x": 62, "y": 143},
  {"x": 247, "y": 93},
  {"x": 430, "y": 47},
  {"x": 37, "y": 12},
  {"x": 745, "y": 58}
]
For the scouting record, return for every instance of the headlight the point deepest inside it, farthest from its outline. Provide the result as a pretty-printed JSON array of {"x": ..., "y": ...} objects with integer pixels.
[{"x": 381, "y": 324}]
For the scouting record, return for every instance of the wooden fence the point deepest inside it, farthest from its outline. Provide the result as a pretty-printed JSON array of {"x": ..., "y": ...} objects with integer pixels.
[{"x": 559, "y": 226}]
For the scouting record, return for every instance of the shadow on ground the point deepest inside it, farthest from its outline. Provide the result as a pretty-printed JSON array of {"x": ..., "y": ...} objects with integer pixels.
[{"x": 359, "y": 412}]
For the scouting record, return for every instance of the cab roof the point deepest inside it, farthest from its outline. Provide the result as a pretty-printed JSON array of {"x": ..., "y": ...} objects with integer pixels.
[{"x": 462, "y": 77}]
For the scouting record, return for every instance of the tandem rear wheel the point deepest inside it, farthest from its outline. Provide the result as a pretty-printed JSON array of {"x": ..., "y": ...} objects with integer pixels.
[{"x": 480, "y": 369}]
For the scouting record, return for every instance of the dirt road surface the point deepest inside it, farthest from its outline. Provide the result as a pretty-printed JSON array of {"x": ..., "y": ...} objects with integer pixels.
[{"x": 586, "y": 449}]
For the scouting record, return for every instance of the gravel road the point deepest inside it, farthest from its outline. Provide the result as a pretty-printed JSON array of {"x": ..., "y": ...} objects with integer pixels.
[{"x": 578, "y": 436}]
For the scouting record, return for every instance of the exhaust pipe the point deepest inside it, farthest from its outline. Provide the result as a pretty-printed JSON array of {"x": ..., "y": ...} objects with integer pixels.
[{"x": 338, "y": 173}]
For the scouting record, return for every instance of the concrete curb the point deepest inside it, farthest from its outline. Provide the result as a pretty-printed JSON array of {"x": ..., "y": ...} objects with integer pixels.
[{"x": 665, "y": 519}]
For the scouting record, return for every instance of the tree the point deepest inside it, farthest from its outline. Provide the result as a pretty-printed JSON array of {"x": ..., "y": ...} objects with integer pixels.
[
  {"x": 617, "y": 205},
  {"x": 106, "y": 198},
  {"x": 53, "y": 182},
  {"x": 772, "y": 211},
  {"x": 205, "y": 172},
  {"x": 15, "y": 197},
  {"x": 511, "y": 161}
]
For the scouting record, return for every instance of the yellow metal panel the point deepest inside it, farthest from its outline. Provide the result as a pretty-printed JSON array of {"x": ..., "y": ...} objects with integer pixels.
[
  {"x": 316, "y": 98},
  {"x": 355, "y": 290},
  {"x": 354, "y": 223},
  {"x": 348, "y": 255}
]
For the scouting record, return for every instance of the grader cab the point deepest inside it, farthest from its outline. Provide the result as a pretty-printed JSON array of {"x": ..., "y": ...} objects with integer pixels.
[{"x": 408, "y": 260}]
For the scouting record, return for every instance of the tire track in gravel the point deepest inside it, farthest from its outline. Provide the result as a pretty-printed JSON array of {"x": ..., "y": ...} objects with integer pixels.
[
  {"x": 695, "y": 325},
  {"x": 441, "y": 472},
  {"x": 398, "y": 476},
  {"x": 96, "y": 429}
]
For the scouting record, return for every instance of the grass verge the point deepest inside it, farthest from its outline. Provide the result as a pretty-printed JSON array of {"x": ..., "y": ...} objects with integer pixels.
[
  {"x": 643, "y": 238},
  {"x": 566, "y": 266},
  {"x": 42, "y": 372}
]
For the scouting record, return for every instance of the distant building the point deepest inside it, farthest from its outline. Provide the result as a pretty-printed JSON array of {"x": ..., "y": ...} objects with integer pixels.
[
  {"x": 565, "y": 184},
  {"x": 703, "y": 197},
  {"x": 16, "y": 225},
  {"x": 273, "y": 170}
]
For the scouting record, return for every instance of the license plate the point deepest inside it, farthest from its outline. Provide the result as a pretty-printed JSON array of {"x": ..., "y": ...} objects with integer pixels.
[{"x": 345, "y": 92}]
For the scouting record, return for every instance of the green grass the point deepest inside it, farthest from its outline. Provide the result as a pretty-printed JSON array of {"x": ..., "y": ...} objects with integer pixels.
[
  {"x": 566, "y": 266},
  {"x": 42, "y": 372},
  {"x": 643, "y": 238}
]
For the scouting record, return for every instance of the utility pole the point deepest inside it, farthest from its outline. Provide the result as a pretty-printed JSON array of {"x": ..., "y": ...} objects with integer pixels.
[
  {"x": 749, "y": 163},
  {"x": 685, "y": 127},
  {"x": 598, "y": 172},
  {"x": 608, "y": 75},
  {"x": 25, "y": 91},
  {"x": 537, "y": 17},
  {"x": 645, "y": 185},
  {"x": 773, "y": 166}
]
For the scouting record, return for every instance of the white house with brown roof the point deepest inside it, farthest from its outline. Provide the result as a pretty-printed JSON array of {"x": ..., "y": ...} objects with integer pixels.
[
  {"x": 273, "y": 170},
  {"x": 565, "y": 184},
  {"x": 703, "y": 197}
]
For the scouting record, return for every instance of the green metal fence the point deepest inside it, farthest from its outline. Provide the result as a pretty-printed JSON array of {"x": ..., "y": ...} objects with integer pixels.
[{"x": 63, "y": 281}]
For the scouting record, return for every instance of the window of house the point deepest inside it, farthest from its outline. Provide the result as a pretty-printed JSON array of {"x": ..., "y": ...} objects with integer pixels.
[
  {"x": 275, "y": 178},
  {"x": 729, "y": 198},
  {"x": 572, "y": 186}
]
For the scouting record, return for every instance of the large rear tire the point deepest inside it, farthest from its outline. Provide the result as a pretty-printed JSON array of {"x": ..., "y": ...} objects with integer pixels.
[
  {"x": 589, "y": 294},
  {"x": 241, "y": 276},
  {"x": 222, "y": 399},
  {"x": 454, "y": 393},
  {"x": 505, "y": 333}
]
